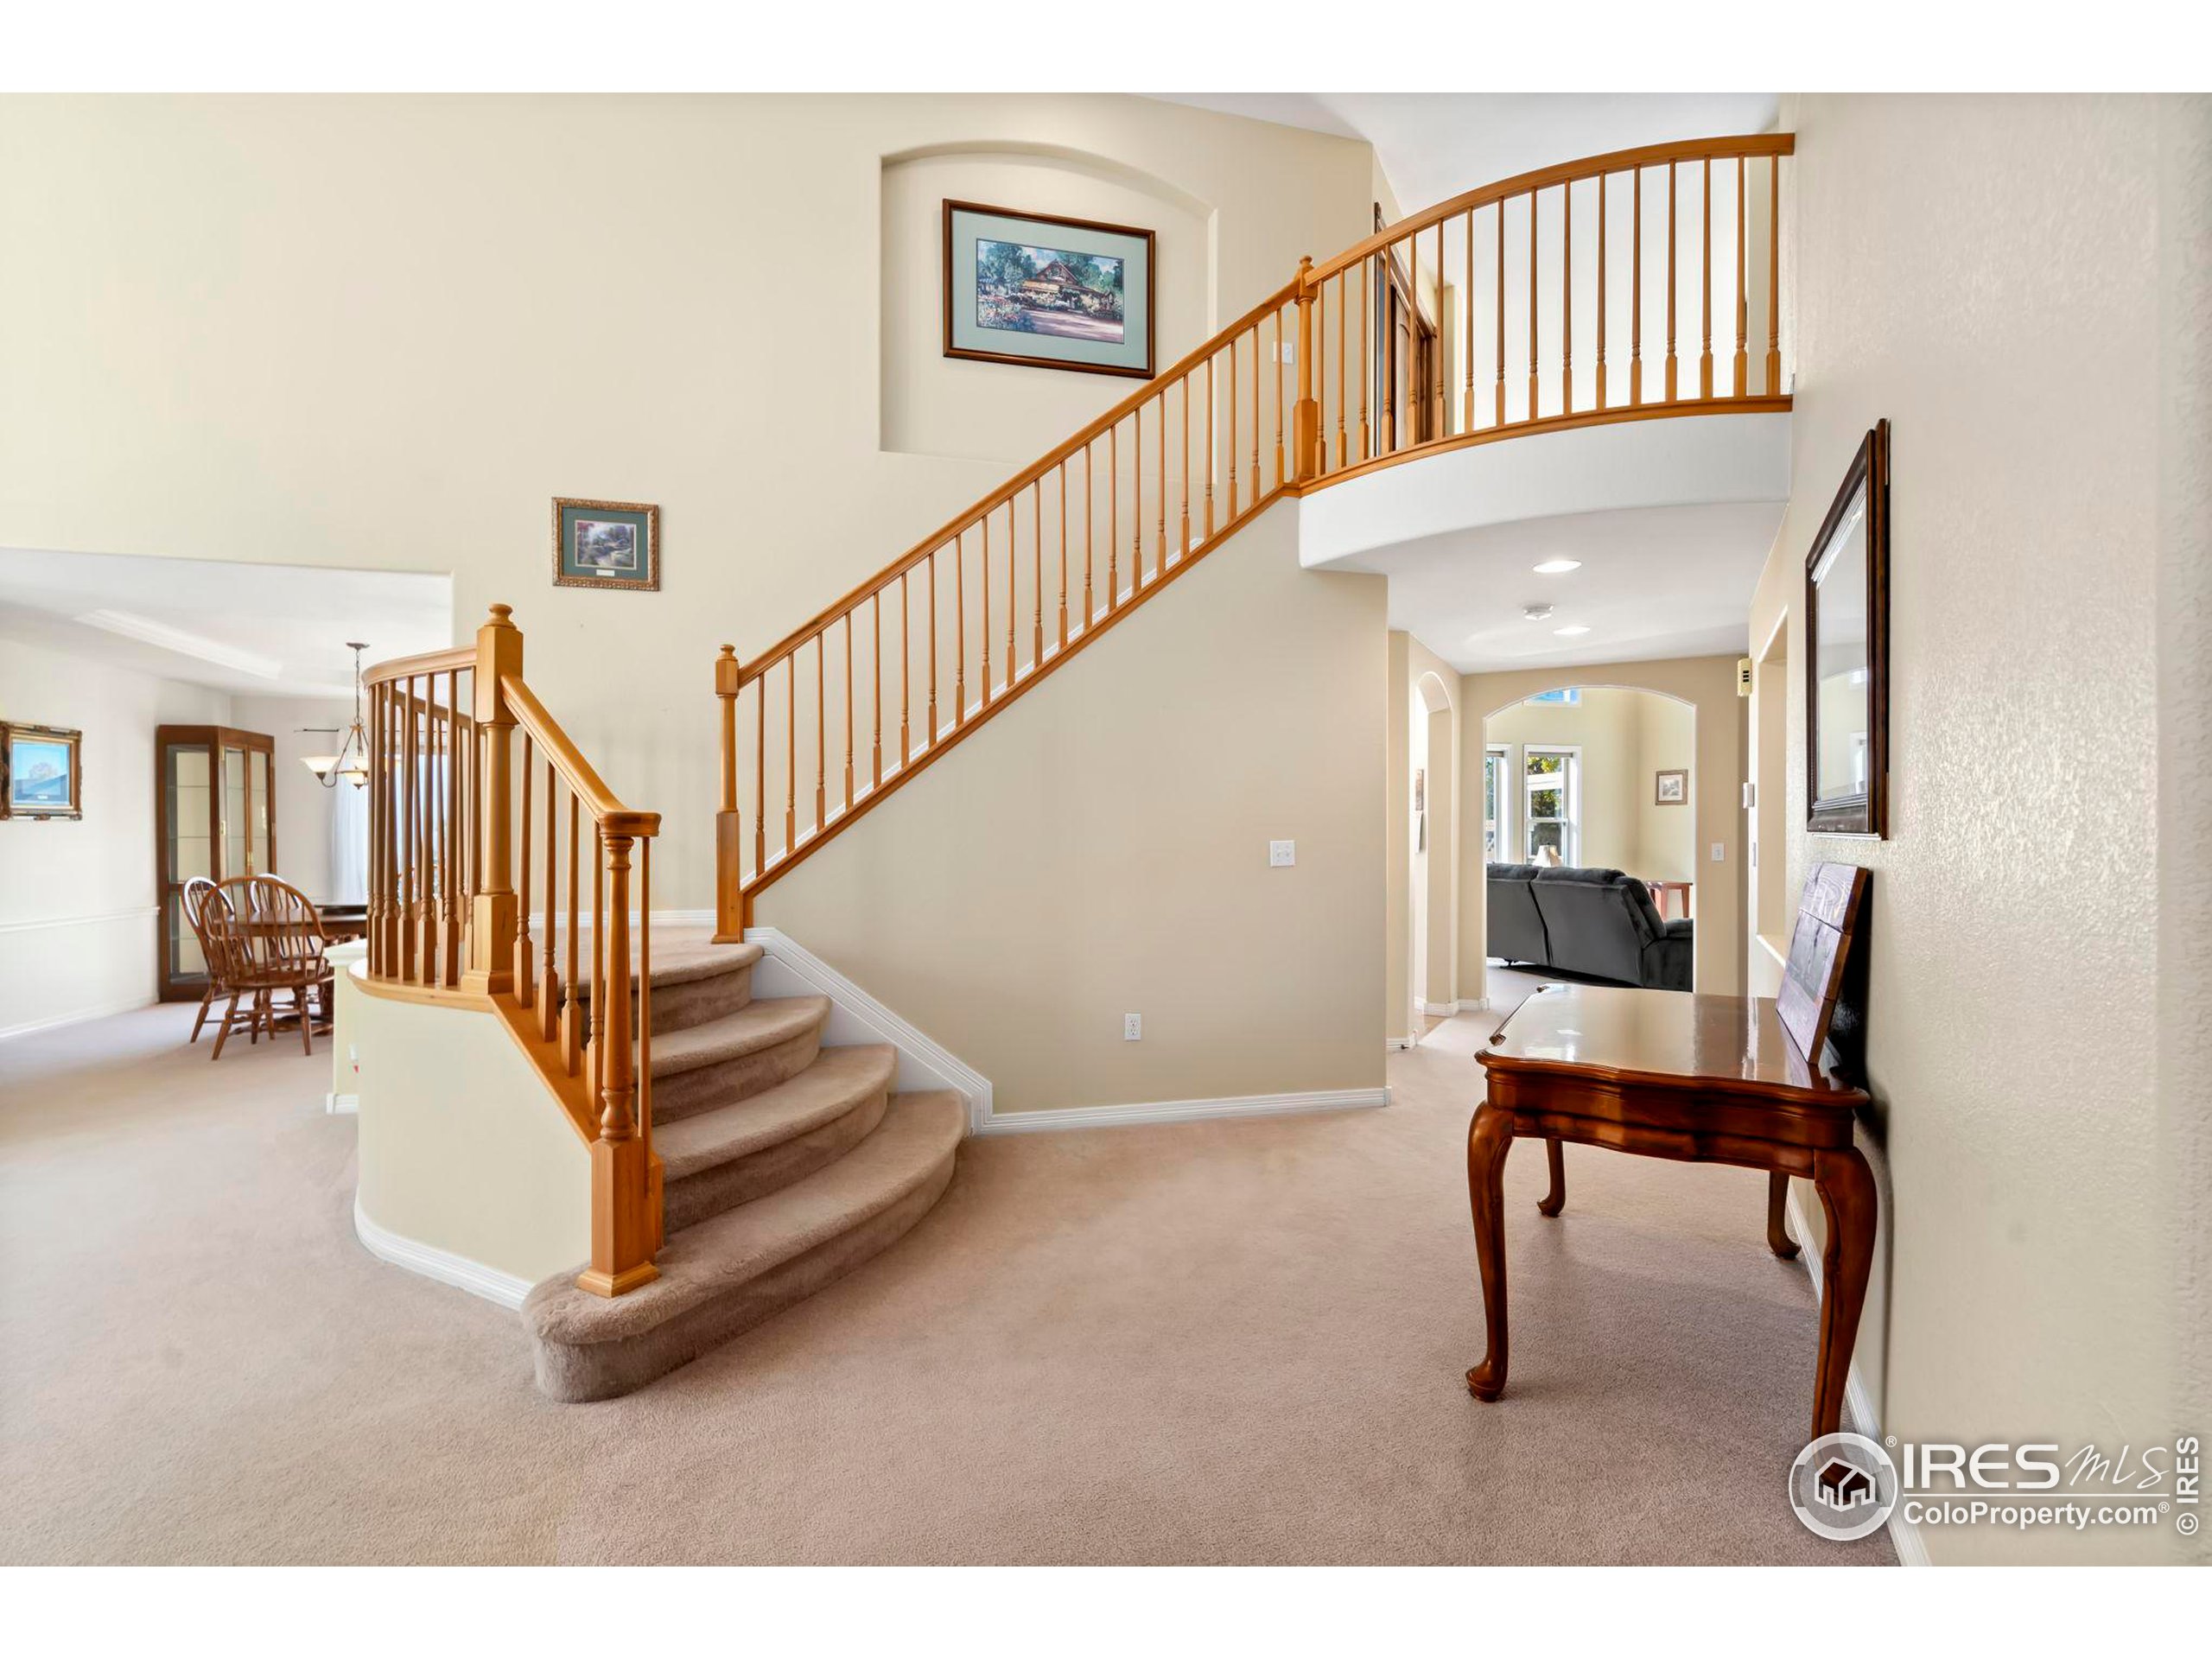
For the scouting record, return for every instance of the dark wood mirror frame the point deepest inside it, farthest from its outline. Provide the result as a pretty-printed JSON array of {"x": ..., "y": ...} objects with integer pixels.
[{"x": 1867, "y": 814}]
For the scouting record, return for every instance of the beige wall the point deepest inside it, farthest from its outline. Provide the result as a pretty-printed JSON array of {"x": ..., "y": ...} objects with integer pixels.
[
  {"x": 1987, "y": 274},
  {"x": 1705, "y": 688},
  {"x": 303, "y": 805},
  {"x": 1093, "y": 852},
  {"x": 383, "y": 332},
  {"x": 77, "y": 896},
  {"x": 462, "y": 1149}
]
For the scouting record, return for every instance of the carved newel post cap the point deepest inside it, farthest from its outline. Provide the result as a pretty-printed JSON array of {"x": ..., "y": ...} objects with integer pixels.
[
  {"x": 730, "y": 651},
  {"x": 501, "y": 612}
]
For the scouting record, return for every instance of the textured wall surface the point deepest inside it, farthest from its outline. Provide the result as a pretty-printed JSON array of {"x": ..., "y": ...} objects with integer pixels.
[{"x": 1985, "y": 273}]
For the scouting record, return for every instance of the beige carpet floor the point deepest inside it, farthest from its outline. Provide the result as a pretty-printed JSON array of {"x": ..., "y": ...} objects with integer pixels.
[{"x": 1228, "y": 1342}]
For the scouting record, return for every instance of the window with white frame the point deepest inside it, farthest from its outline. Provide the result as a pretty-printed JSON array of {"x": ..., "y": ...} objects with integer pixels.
[
  {"x": 1497, "y": 801},
  {"x": 1552, "y": 801}
]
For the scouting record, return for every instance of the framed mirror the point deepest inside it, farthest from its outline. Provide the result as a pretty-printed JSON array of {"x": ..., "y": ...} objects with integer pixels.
[{"x": 1847, "y": 652}]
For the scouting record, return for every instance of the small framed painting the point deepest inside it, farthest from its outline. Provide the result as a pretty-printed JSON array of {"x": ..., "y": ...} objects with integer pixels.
[
  {"x": 606, "y": 544},
  {"x": 40, "y": 773},
  {"x": 1047, "y": 293},
  {"x": 1672, "y": 789}
]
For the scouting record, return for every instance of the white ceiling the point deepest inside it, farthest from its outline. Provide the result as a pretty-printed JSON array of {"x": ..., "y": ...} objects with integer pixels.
[
  {"x": 1655, "y": 582},
  {"x": 1433, "y": 145},
  {"x": 257, "y": 630}
]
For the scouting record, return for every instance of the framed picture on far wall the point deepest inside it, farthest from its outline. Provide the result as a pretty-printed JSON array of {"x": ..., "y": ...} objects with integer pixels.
[
  {"x": 41, "y": 773},
  {"x": 1673, "y": 789},
  {"x": 606, "y": 544},
  {"x": 1047, "y": 293}
]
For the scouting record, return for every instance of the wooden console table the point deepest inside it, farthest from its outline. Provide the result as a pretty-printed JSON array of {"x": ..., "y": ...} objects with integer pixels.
[{"x": 1711, "y": 1079}]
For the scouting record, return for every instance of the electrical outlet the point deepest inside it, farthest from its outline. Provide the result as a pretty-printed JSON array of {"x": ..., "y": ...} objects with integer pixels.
[
  {"x": 1720, "y": 852},
  {"x": 1281, "y": 853},
  {"x": 1133, "y": 1028}
]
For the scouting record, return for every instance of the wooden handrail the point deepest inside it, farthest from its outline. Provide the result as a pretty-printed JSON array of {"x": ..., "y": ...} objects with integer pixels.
[
  {"x": 1129, "y": 497},
  {"x": 456, "y": 772}
]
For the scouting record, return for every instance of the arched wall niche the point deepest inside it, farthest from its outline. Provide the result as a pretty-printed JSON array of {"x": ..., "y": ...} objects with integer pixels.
[{"x": 931, "y": 405}]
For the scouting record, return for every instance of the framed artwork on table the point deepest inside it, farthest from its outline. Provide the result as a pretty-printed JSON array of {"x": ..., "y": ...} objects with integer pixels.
[
  {"x": 1047, "y": 292},
  {"x": 606, "y": 544}
]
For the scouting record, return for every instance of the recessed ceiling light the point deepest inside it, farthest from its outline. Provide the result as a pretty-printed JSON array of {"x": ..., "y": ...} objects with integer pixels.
[
  {"x": 1571, "y": 628},
  {"x": 1536, "y": 613},
  {"x": 1558, "y": 567}
]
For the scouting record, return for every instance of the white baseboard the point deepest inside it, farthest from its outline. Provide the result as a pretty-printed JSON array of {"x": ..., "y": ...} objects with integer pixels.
[
  {"x": 788, "y": 968},
  {"x": 434, "y": 1263},
  {"x": 1858, "y": 1406},
  {"x": 77, "y": 1017},
  {"x": 342, "y": 1104},
  {"x": 1184, "y": 1111},
  {"x": 1474, "y": 1005},
  {"x": 1439, "y": 1008},
  {"x": 1392, "y": 1044}
]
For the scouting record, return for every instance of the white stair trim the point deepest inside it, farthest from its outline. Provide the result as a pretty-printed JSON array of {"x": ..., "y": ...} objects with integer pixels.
[
  {"x": 788, "y": 968},
  {"x": 1858, "y": 1406},
  {"x": 444, "y": 1266},
  {"x": 1184, "y": 1111}
]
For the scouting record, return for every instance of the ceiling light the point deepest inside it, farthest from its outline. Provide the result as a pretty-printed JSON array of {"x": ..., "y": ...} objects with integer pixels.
[
  {"x": 1557, "y": 567},
  {"x": 1536, "y": 613},
  {"x": 352, "y": 761},
  {"x": 1570, "y": 630}
]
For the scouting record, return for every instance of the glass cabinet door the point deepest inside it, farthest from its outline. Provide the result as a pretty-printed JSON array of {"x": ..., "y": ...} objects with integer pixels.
[
  {"x": 258, "y": 862},
  {"x": 235, "y": 861},
  {"x": 188, "y": 813},
  {"x": 217, "y": 819}
]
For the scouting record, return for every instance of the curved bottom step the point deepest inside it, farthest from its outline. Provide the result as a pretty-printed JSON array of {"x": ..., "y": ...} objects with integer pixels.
[{"x": 727, "y": 1274}]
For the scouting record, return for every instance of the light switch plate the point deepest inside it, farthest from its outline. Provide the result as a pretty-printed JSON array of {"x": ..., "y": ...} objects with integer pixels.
[
  {"x": 1281, "y": 853},
  {"x": 1720, "y": 852}
]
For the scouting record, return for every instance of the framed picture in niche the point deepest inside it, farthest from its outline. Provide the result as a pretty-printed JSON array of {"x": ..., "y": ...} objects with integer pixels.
[
  {"x": 1047, "y": 292},
  {"x": 1847, "y": 652},
  {"x": 41, "y": 772},
  {"x": 1671, "y": 788},
  {"x": 606, "y": 544}
]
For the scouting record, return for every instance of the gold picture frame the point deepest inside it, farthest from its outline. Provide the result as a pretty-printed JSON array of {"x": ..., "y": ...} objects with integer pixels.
[
  {"x": 49, "y": 793},
  {"x": 605, "y": 544}
]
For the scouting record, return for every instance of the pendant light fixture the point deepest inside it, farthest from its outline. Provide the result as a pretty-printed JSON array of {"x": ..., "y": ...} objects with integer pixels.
[{"x": 352, "y": 761}]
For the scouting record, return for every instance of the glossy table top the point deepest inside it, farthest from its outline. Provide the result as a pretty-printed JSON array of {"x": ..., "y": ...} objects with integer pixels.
[{"x": 1664, "y": 1036}]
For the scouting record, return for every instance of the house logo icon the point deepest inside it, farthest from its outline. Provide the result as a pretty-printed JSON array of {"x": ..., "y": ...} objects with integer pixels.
[{"x": 1843, "y": 1486}]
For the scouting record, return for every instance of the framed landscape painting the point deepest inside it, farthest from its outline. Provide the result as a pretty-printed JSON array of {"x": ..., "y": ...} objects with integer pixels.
[
  {"x": 1047, "y": 292},
  {"x": 40, "y": 773},
  {"x": 606, "y": 544}
]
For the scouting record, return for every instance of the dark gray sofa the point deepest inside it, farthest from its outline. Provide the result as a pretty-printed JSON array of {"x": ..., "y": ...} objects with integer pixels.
[{"x": 1593, "y": 924}]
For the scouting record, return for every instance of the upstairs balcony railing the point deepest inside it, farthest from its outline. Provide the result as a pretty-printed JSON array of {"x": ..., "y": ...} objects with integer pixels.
[{"x": 1406, "y": 345}]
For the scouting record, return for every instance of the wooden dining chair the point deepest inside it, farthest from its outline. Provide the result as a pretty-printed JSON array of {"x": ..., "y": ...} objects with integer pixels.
[
  {"x": 194, "y": 901},
  {"x": 223, "y": 946},
  {"x": 273, "y": 940}
]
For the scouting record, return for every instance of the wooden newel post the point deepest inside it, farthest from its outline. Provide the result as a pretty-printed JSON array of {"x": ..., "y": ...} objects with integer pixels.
[
  {"x": 1305, "y": 424},
  {"x": 623, "y": 1227},
  {"x": 492, "y": 911},
  {"x": 729, "y": 874}
]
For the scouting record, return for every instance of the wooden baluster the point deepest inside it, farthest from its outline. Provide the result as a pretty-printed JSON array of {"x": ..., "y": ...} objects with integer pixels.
[
  {"x": 1307, "y": 435},
  {"x": 1742, "y": 293},
  {"x": 654, "y": 1214},
  {"x": 1089, "y": 614},
  {"x": 572, "y": 1009},
  {"x": 1257, "y": 492},
  {"x": 875, "y": 676},
  {"x": 729, "y": 831},
  {"x": 1671, "y": 217},
  {"x": 986, "y": 629},
  {"x": 1388, "y": 414},
  {"x": 760, "y": 774},
  {"x": 1160, "y": 547},
  {"x": 378, "y": 790},
  {"x": 1366, "y": 366},
  {"x": 549, "y": 998},
  {"x": 1321, "y": 378},
  {"x": 1036, "y": 578},
  {"x": 1183, "y": 444},
  {"x": 1113, "y": 518},
  {"x": 621, "y": 1230},
  {"x": 1280, "y": 477},
  {"x": 930, "y": 736},
  {"x": 1343, "y": 305},
  {"x": 412, "y": 857},
  {"x": 449, "y": 942},
  {"x": 790, "y": 752},
  {"x": 906, "y": 662},
  {"x": 1636, "y": 290},
  {"x": 1013, "y": 540},
  {"x": 1774, "y": 276},
  {"x": 1208, "y": 450},
  {"x": 491, "y": 924},
  {"x": 1533, "y": 409},
  {"x": 1601, "y": 290},
  {"x": 1467, "y": 329},
  {"x": 821, "y": 720},
  {"x": 596, "y": 1009},
  {"x": 849, "y": 711},
  {"x": 1704, "y": 362},
  {"x": 1136, "y": 500},
  {"x": 1062, "y": 472},
  {"x": 1441, "y": 413},
  {"x": 1501, "y": 311},
  {"x": 1566, "y": 297},
  {"x": 960, "y": 634},
  {"x": 524, "y": 992}
]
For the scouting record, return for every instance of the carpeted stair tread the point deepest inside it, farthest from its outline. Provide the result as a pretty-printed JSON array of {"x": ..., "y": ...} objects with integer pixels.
[
  {"x": 840, "y": 1080},
  {"x": 681, "y": 961},
  {"x": 914, "y": 1144},
  {"x": 753, "y": 1027}
]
